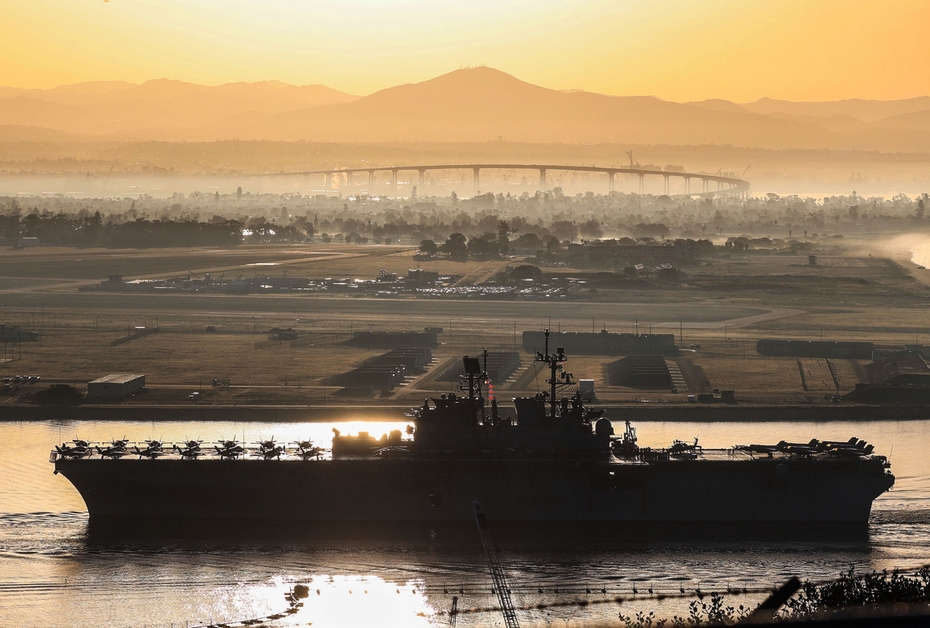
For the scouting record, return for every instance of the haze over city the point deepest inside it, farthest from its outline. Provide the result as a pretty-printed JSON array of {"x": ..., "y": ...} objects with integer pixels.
[{"x": 718, "y": 85}]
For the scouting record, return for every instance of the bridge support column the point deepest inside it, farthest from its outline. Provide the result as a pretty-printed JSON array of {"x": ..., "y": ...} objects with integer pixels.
[
  {"x": 476, "y": 181},
  {"x": 394, "y": 182},
  {"x": 610, "y": 181},
  {"x": 666, "y": 184},
  {"x": 422, "y": 176},
  {"x": 642, "y": 179},
  {"x": 542, "y": 178},
  {"x": 371, "y": 182},
  {"x": 704, "y": 185},
  {"x": 348, "y": 182},
  {"x": 687, "y": 185},
  {"x": 327, "y": 180}
]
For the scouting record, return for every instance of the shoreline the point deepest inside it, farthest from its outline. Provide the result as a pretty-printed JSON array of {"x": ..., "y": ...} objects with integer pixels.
[{"x": 710, "y": 413}]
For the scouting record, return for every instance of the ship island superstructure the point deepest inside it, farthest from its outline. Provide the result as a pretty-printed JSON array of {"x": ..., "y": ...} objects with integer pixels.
[{"x": 557, "y": 461}]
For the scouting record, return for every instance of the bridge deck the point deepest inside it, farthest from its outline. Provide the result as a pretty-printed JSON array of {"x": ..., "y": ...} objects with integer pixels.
[{"x": 734, "y": 182}]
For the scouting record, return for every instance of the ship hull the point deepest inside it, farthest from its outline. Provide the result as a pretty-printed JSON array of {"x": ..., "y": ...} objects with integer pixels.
[{"x": 169, "y": 494}]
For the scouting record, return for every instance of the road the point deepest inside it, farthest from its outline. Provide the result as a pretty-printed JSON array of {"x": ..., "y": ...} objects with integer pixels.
[{"x": 573, "y": 315}]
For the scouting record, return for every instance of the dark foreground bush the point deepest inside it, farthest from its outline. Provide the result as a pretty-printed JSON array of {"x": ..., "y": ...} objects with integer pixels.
[
  {"x": 873, "y": 594},
  {"x": 700, "y": 613},
  {"x": 867, "y": 590}
]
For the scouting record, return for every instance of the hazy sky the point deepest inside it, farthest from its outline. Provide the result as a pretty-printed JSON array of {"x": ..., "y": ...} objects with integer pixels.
[{"x": 675, "y": 49}]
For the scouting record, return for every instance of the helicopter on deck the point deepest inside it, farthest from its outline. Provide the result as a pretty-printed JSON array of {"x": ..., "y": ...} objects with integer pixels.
[
  {"x": 269, "y": 449},
  {"x": 229, "y": 449},
  {"x": 306, "y": 449},
  {"x": 154, "y": 449},
  {"x": 117, "y": 449},
  {"x": 190, "y": 450},
  {"x": 79, "y": 449},
  {"x": 685, "y": 450}
]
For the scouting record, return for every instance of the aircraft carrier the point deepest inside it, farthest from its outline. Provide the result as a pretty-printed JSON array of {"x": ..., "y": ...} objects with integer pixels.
[{"x": 557, "y": 461}]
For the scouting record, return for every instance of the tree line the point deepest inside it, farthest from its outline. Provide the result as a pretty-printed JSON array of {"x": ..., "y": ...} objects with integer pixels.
[
  {"x": 535, "y": 222},
  {"x": 91, "y": 231}
]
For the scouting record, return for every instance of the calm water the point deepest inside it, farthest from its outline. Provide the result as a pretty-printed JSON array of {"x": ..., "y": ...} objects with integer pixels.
[{"x": 51, "y": 574}]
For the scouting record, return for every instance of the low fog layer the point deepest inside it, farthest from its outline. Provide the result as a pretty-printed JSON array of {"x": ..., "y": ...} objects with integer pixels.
[
  {"x": 103, "y": 139},
  {"x": 105, "y": 169},
  {"x": 534, "y": 220}
]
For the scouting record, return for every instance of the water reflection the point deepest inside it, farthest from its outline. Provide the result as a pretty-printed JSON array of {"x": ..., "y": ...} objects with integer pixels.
[{"x": 53, "y": 574}]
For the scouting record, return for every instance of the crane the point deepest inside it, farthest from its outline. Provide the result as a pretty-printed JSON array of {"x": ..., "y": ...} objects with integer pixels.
[
  {"x": 497, "y": 572},
  {"x": 633, "y": 162}
]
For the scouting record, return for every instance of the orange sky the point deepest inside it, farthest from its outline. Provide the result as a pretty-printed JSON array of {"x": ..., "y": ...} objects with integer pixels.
[{"x": 679, "y": 50}]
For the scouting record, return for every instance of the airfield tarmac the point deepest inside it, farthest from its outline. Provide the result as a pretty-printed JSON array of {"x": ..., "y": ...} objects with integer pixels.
[{"x": 717, "y": 315}]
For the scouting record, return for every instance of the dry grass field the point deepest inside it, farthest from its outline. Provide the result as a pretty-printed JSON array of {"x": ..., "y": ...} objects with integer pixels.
[
  {"x": 720, "y": 311},
  {"x": 316, "y": 260}
]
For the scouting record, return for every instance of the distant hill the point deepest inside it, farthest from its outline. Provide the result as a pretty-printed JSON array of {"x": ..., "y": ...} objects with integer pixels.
[
  {"x": 864, "y": 110},
  {"x": 908, "y": 121},
  {"x": 17, "y": 133},
  {"x": 839, "y": 124},
  {"x": 469, "y": 105},
  {"x": 716, "y": 104},
  {"x": 483, "y": 104},
  {"x": 159, "y": 109}
]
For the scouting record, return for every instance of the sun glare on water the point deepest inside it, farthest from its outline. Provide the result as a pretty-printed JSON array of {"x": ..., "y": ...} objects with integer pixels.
[{"x": 363, "y": 601}]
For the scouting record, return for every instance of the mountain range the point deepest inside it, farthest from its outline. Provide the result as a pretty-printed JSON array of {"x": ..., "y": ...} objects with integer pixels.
[{"x": 468, "y": 105}]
